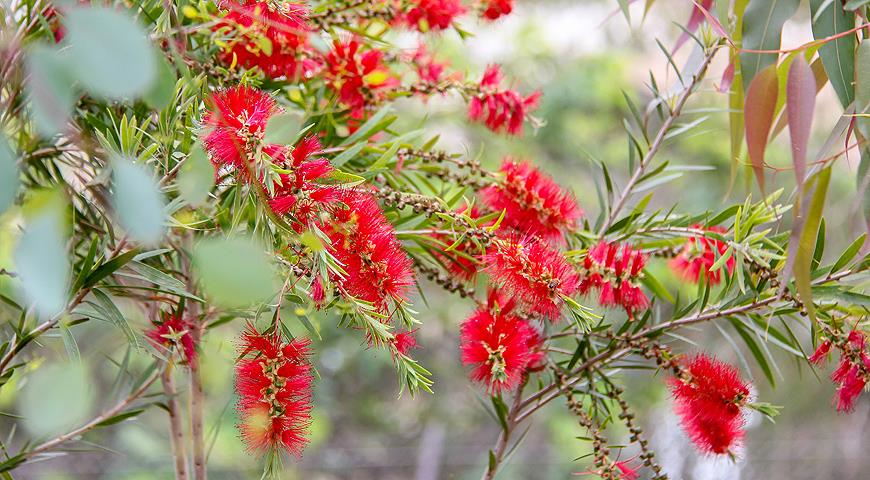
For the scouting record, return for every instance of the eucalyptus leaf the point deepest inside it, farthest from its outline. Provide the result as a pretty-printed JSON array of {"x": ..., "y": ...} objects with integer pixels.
[
  {"x": 41, "y": 261},
  {"x": 8, "y": 175},
  {"x": 56, "y": 398},
  {"x": 49, "y": 90},
  {"x": 138, "y": 202},
  {"x": 196, "y": 178},
  {"x": 110, "y": 52},
  {"x": 234, "y": 272}
]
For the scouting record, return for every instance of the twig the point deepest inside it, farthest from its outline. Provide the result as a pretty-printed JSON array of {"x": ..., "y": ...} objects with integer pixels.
[
  {"x": 504, "y": 436},
  {"x": 175, "y": 428},
  {"x": 657, "y": 142},
  {"x": 96, "y": 421}
]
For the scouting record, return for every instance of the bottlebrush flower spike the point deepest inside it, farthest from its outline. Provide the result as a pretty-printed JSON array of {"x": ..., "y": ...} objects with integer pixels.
[
  {"x": 271, "y": 36},
  {"x": 708, "y": 399},
  {"x": 236, "y": 122},
  {"x": 497, "y": 345},
  {"x": 852, "y": 374},
  {"x": 174, "y": 332},
  {"x": 614, "y": 271},
  {"x": 533, "y": 202},
  {"x": 359, "y": 78},
  {"x": 428, "y": 69},
  {"x": 297, "y": 193},
  {"x": 493, "y": 9},
  {"x": 364, "y": 242},
  {"x": 273, "y": 381},
  {"x": 501, "y": 110},
  {"x": 699, "y": 254},
  {"x": 536, "y": 274},
  {"x": 404, "y": 342},
  {"x": 425, "y": 15}
]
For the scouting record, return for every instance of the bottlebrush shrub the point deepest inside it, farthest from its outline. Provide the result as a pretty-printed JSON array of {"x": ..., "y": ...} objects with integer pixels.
[{"x": 204, "y": 167}]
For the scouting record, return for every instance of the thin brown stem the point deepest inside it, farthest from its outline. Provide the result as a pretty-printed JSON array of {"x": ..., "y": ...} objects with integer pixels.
[
  {"x": 501, "y": 445},
  {"x": 176, "y": 430}
]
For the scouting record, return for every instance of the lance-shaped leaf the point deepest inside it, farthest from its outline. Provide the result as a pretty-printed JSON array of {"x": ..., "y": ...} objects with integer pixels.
[
  {"x": 807, "y": 245},
  {"x": 800, "y": 103},
  {"x": 8, "y": 174},
  {"x": 762, "y": 30},
  {"x": 862, "y": 88},
  {"x": 758, "y": 115},
  {"x": 838, "y": 55}
]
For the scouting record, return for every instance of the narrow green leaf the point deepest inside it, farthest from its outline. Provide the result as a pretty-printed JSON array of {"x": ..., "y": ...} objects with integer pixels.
[{"x": 806, "y": 246}]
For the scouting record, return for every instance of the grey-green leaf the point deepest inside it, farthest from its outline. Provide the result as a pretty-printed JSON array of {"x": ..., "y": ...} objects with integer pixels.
[
  {"x": 41, "y": 261},
  {"x": 56, "y": 398},
  {"x": 8, "y": 175},
  {"x": 762, "y": 30},
  {"x": 110, "y": 53},
  {"x": 138, "y": 202},
  {"x": 196, "y": 178},
  {"x": 234, "y": 272},
  {"x": 49, "y": 90}
]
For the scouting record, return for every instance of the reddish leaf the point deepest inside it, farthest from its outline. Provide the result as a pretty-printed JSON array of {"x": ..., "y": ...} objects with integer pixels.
[
  {"x": 727, "y": 79},
  {"x": 758, "y": 111},
  {"x": 714, "y": 22},
  {"x": 800, "y": 97},
  {"x": 694, "y": 22}
]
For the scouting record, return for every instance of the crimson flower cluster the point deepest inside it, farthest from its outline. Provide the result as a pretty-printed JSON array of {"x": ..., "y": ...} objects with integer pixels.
[
  {"x": 614, "y": 271},
  {"x": 272, "y": 36},
  {"x": 494, "y": 9},
  {"x": 698, "y": 256},
  {"x": 498, "y": 345},
  {"x": 538, "y": 275},
  {"x": 425, "y": 15},
  {"x": 533, "y": 203},
  {"x": 708, "y": 398},
  {"x": 174, "y": 332},
  {"x": 853, "y": 371},
  {"x": 376, "y": 267},
  {"x": 273, "y": 381},
  {"x": 297, "y": 193},
  {"x": 358, "y": 76},
  {"x": 501, "y": 110}
]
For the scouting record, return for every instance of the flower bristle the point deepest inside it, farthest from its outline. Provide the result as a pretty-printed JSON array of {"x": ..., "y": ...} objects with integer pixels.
[
  {"x": 615, "y": 270},
  {"x": 853, "y": 371},
  {"x": 273, "y": 381},
  {"x": 236, "y": 124},
  {"x": 498, "y": 346},
  {"x": 533, "y": 203},
  {"x": 699, "y": 254},
  {"x": 501, "y": 110},
  {"x": 538, "y": 275},
  {"x": 708, "y": 399},
  {"x": 298, "y": 192},
  {"x": 364, "y": 242}
]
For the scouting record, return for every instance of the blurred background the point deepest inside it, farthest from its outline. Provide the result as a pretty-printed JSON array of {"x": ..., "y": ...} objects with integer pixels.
[{"x": 583, "y": 56}]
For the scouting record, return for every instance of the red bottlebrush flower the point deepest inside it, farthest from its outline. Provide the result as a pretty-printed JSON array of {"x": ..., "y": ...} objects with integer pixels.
[
  {"x": 273, "y": 381},
  {"x": 501, "y": 110},
  {"x": 708, "y": 400},
  {"x": 428, "y": 69},
  {"x": 365, "y": 244},
  {"x": 357, "y": 77},
  {"x": 497, "y": 345},
  {"x": 318, "y": 294},
  {"x": 853, "y": 372},
  {"x": 532, "y": 201},
  {"x": 538, "y": 275},
  {"x": 236, "y": 122},
  {"x": 626, "y": 471},
  {"x": 614, "y": 271},
  {"x": 174, "y": 332},
  {"x": 270, "y": 36},
  {"x": 297, "y": 192},
  {"x": 427, "y": 15},
  {"x": 404, "y": 342},
  {"x": 699, "y": 254},
  {"x": 497, "y": 8},
  {"x": 818, "y": 357}
]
